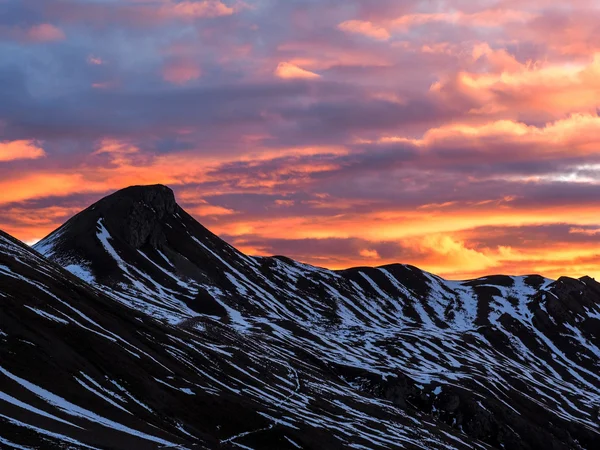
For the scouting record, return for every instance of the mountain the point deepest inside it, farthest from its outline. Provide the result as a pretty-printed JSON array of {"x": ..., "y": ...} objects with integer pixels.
[{"x": 141, "y": 329}]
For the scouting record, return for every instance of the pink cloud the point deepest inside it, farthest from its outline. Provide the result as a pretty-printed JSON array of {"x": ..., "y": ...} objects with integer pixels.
[
  {"x": 105, "y": 84},
  {"x": 45, "y": 32},
  {"x": 484, "y": 18},
  {"x": 95, "y": 60},
  {"x": 365, "y": 28},
  {"x": 195, "y": 9},
  {"x": 383, "y": 28},
  {"x": 181, "y": 71}
]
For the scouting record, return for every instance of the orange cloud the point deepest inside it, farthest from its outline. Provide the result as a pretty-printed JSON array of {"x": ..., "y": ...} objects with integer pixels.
[
  {"x": 549, "y": 87},
  {"x": 579, "y": 133},
  {"x": 207, "y": 210},
  {"x": 128, "y": 165},
  {"x": 39, "y": 185},
  {"x": 369, "y": 254},
  {"x": 288, "y": 70},
  {"x": 403, "y": 225},
  {"x": 32, "y": 227},
  {"x": 45, "y": 32},
  {"x": 13, "y": 150},
  {"x": 435, "y": 241},
  {"x": 365, "y": 28},
  {"x": 441, "y": 250},
  {"x": 435, "y": 235}
]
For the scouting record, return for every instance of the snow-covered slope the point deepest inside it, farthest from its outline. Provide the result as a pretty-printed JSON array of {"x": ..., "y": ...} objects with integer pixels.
[
  {"x": 388, "y": 357},
  {"x": 80, "y": 370}
]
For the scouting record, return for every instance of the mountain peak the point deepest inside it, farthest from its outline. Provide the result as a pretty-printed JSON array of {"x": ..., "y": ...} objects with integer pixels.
[
  {"x": 135, "y": 228},
  {"x": 150, "y": 193},
  {"x": 135, "y": 217},
  {"x": 135, "y": 212},
  {"x": 158, "y": 198}
]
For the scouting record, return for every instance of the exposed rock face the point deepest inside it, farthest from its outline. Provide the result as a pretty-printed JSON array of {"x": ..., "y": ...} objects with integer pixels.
[
  {"x": 135, "y": 214},
  {"x": 134, "y": 218},
  {"x": 138, "y": 213}
]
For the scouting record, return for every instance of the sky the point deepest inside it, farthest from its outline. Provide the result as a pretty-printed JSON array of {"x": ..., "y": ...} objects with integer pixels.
[{"x": 459, "y": 136}]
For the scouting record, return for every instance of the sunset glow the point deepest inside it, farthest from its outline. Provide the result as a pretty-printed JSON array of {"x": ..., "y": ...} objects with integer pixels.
[{"x": 462, "y": 137}]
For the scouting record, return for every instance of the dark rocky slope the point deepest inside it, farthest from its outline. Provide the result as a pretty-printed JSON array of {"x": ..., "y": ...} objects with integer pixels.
[{"x": 80, "y": 370}]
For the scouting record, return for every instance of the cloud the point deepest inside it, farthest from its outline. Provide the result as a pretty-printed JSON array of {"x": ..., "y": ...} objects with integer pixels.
[
  {"x": 17, "y": 219},
  {"x": 288, "y": 70},
  {"x": 181, "y": 71},
  {"x": 204, "y": 211},
  {"x": 585, "y": 231},
  {"x": 104, "y": 85},
  {"x": 532, "y": 86},
  {"x": 13, "y": 150},
  {"x": 369, "y": 254},
  {"x": 483, "y": 18},
  {"x": 365, "y": 28},
  {"x": 45, "y": 32},
  {"x": 134, "y": 13},
  {"x": 39, "y": 185},
  {"x": 568, "y": 146},
  {"x": 384, "y": 28},
  {"x": 194, "y": 9},
  {"x": 95, "y": 60},
  {"x": 442, "y": 249}
]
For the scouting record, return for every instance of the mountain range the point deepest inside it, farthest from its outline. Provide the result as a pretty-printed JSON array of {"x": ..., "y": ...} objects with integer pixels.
[{"x": 132, "y": 326}]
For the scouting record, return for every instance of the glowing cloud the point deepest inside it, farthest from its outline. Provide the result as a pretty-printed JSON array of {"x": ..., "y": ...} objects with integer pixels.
[
  {"x": 484, "y": 18},
  {"x": 195, "y": 9},
  {"x": 534, "y": 86},
  {"x": 369, "y": 254},
  {"x": 366, "y": 29},
  {"x": 39, "y": 185},
  {"x": 288, "y": 70},
  {"x": 13, "y": 150}
]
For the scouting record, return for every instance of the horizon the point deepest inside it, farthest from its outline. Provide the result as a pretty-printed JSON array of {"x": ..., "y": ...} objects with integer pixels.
[
  {"x": 459, "y": 137},
  {"x": 32, "y": 244}
]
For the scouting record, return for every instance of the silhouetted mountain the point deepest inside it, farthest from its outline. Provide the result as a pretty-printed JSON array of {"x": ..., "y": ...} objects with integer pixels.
[{"x": 177, "y": 339}]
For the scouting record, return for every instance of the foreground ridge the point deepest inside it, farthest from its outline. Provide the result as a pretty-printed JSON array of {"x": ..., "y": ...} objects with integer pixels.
[{"x": 158, "y": 333}]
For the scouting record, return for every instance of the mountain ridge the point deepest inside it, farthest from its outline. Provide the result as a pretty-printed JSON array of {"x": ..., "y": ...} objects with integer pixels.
[
  {"x": 167, "y": 196},
  {"x": 385, "y": 357}
]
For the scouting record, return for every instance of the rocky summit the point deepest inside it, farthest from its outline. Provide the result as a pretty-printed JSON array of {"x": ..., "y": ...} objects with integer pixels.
[{"x": 134, "y": 327}]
